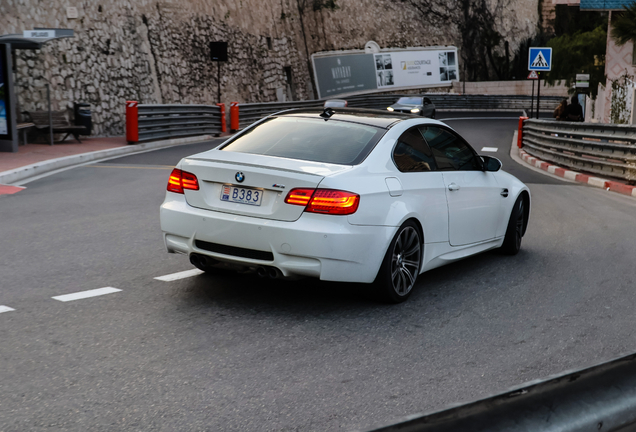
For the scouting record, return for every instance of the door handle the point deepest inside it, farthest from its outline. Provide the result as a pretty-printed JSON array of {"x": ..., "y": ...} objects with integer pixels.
[{"x": 453, "y": 187}]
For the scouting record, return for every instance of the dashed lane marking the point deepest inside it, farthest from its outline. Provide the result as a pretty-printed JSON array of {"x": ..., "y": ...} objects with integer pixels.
[
  {"x": 490, "y": 149},
  {"x": 86, "y": 294},
  {"x": 180, "y": 275},
  {"x": 5, "y": 309}
]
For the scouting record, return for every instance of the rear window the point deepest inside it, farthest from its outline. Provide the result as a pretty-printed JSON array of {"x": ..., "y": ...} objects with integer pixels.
[{"x": 309, "y": 139}]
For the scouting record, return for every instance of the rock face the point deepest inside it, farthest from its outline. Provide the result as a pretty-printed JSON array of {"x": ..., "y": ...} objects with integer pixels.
[{"x": 158, "y": 51}]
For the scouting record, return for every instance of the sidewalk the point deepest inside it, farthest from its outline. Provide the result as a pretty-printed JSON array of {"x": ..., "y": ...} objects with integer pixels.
[
  {"x": 33, "y": 160},
  {"x": 33, "y": 153}
]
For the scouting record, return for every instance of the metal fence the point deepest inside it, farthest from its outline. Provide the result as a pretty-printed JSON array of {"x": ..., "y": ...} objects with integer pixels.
[
  {"x": 604, "y": 149},
  {"x": 600, "y": 398},
  {"x": 249, "y": 113},
  {"x": 169, "y": 121}
]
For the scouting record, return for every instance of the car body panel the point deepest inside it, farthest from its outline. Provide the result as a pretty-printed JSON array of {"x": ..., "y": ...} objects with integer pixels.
[
  {"x": 425, "y": 106},
  {"x": 340, "y": 248}
]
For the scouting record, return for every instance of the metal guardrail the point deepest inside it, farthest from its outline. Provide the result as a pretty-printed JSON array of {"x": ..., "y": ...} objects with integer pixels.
[
  {"x": 170, "y": 121},
  {"x": 603, "y": 149},
  {"x": 249, "y": 113},
  {"x": 600, "y": 398}
]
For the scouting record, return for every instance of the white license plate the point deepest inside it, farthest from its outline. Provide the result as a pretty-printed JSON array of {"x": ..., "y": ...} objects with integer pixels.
[{"x": 241, "y": 195}]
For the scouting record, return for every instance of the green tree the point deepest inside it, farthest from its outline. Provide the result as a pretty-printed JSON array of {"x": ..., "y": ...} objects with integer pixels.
[
  {"x": 624, "y": 25},
  {"x": 581, "y": 52}
]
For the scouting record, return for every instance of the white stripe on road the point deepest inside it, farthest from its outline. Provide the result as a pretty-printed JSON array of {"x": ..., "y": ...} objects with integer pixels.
[
  {"x": 5, "y": 309},
  {"x": 180, "y": 275},
  {"x": 489, "y": 149},
  {"x": 86, "y": 294}
]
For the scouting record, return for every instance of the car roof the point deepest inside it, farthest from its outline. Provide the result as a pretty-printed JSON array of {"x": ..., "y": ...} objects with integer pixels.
[{"x": 371, "y": 117}]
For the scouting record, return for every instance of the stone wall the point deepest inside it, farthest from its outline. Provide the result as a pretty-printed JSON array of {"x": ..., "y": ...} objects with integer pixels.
[
  {"x": 157, "y": 51},
  {"x": 510, "y": 88}
]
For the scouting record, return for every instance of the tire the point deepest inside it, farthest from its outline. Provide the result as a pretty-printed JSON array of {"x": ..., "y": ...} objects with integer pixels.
[
  {"x": 514, "y": 232},
  {"x": 401, "y": 265}
]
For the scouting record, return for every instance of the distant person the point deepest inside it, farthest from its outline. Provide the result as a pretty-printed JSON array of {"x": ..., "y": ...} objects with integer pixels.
[
  {"x": 575, "y": 110},
  {"x": 560, "y": 112}
]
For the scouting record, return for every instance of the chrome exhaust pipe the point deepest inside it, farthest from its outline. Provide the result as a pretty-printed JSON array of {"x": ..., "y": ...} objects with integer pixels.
[
  {"x": 273, "y": 273},
  {"x": 194, "y": 259},
  {"x": 261, "y": 272}
]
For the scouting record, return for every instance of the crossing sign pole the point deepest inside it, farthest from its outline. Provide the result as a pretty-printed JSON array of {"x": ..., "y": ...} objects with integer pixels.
[
  {"x": 532, "y": 76},
  {"x": 539, "y": 59},
  {"x": 538, "y": 92}
]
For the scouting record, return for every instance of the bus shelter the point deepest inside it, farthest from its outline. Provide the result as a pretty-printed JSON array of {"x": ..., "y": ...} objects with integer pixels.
[{"x": 30, "y": 39}]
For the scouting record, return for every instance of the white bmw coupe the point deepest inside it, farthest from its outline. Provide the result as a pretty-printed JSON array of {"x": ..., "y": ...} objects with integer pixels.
[{"x": 342, "y": 194}]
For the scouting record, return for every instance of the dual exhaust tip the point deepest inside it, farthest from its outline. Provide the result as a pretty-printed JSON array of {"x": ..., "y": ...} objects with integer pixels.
[
  {"x": 269, "y": 272},
  {"x": 202, "y": 262}
]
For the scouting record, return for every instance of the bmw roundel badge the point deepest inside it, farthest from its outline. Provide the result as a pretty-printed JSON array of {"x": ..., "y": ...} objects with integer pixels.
[{"x": 239, "y": 177}]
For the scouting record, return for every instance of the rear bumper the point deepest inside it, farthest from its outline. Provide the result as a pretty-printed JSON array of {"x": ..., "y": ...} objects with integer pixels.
[{"x": 321, "y": 246}]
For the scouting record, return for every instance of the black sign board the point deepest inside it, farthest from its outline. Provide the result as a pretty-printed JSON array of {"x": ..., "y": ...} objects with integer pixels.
[{"x": 218, "y": 51}]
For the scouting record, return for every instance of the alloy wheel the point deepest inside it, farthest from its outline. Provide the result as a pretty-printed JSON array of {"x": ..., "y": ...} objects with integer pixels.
[
  {"x": 519, "y": 225},
  {"x": 405, "y": 261}
]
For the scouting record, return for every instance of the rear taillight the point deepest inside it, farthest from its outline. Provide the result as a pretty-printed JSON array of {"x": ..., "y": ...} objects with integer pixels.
[
  {"x": 180, "y": 180},
  {"x": 327, "y": 201}
]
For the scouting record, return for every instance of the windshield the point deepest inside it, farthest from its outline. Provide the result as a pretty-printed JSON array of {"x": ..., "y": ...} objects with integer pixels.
[
  {"x": 410, "y": 101},
  {"x": 309, "y": 139}
]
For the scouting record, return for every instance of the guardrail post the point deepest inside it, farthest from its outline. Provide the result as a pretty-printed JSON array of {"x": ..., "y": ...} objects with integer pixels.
[
  {"x": 223, "y": 120},
  {"x": 234, "y": 116},
  {"x": 520, "y": 132},
  {"x": 132, "y": 122}
]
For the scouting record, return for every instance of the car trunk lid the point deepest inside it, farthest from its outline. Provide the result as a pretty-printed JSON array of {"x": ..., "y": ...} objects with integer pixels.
[{"x": 270, "y": 178}]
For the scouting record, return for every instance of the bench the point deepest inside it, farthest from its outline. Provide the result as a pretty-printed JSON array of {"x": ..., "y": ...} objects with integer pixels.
[
  {"x": 61, "y": 125},
  {"x": 24, "y": 127}
]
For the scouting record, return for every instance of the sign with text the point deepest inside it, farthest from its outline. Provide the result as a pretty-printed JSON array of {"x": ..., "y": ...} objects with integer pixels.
[
  {"x": 353, "y": 73},
  {"x": 39, "y": 34},
  {"x": 540, "y": 59}
]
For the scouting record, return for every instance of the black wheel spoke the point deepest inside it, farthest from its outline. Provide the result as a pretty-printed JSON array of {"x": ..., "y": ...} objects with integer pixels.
[{"x": 405, "y": 261}]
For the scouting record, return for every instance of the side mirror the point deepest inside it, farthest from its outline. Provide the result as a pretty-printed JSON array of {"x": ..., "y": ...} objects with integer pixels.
[{"x": 491, "y": 163}]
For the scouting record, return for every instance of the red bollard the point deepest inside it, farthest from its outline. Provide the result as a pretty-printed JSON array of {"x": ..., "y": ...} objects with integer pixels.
[
  {"x": 223, "y": 120},
  {"x": 234, "y": 116},
  {"x": 520, "y": 132},
  {"x": 132, "y": 122}
]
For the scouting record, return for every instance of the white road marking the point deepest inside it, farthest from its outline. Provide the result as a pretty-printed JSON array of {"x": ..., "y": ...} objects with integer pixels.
[
  {"x": 180, "y": 275},
  {"x": 86, "y": 294},
  {"x": 489, "y": 149},
  {"x": 5, "y": 309}
]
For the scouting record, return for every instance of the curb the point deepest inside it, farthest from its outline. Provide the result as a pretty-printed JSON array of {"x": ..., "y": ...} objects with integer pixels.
[
  {"x": 598, "y": 182},
  {"x": 44, "y": 167}
]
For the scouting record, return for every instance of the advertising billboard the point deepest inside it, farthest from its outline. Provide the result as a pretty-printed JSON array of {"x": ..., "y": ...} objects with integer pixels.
[
  {"x": 339, "y": 74},
  {"x": 4, "y": 96}
]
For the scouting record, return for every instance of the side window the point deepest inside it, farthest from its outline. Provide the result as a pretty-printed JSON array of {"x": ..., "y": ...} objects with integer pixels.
[
  {"x": 450, "y": 151},
  {"x": 412, "y": 154}
]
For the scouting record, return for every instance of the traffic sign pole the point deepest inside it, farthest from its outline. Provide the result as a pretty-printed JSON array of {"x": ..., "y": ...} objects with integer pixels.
[
  {"x": 538, "y": 92},
  {"x": 532, "y": 76}
]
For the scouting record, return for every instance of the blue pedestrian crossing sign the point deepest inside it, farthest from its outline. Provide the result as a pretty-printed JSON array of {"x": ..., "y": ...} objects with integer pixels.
[{"x": 540, "y": 59}]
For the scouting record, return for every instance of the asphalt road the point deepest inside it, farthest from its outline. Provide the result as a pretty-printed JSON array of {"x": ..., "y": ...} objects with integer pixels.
[{"x": 240, "y": 353}]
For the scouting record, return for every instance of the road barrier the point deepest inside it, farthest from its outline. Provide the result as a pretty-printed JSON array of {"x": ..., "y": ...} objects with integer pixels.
[
  {"x": 170, "y": 121},
  {"x": 603, "y": 149},
  {"x": 249, "y": 113},
  {"x": 600, "y": 398}
]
